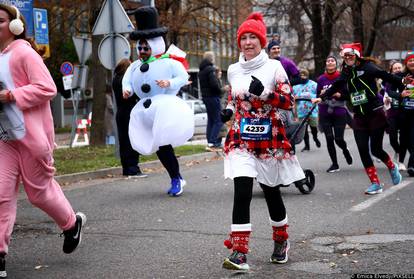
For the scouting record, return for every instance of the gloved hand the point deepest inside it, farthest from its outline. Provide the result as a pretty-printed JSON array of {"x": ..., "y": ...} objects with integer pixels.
[
  {"x": 147, "y": 103},
  {"x": 225, "y": 115},
  {"x": 256, "y": 87}
]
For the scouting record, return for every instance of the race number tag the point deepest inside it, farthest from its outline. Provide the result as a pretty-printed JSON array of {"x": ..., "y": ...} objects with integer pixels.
[
  {"x": 359, "y": 98},
  {"x": 408, "y": 102},
  {"x": 256, "y": 129}
]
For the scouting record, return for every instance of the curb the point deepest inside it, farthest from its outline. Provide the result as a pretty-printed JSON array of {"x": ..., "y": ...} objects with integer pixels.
[{"x": 104, "y": 173}]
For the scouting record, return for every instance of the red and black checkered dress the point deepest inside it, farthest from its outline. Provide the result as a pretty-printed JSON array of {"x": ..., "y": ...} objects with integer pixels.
[{"x": 252, "y": 107}]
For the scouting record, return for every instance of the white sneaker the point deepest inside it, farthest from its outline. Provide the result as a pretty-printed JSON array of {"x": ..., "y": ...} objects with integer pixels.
[{"x": 401, "y": 167}]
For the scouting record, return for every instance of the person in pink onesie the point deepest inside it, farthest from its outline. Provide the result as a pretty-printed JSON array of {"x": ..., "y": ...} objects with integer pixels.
[{"x": 27, "y": 136}]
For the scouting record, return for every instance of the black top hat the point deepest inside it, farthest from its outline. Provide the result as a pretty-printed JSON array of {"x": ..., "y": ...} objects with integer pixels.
[{"x": 146, "y": 19}]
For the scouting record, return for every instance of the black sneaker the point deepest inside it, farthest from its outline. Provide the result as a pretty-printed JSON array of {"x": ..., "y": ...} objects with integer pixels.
[
  {"x": 3, "y": 273},
  {"x": 348, "y": 157},
  {"x": 333, "y": 168},
  {"x": 139, "y": 174},
  {"x": 236, "y": 261},
  {"x": 280, "y": 252},
  {"x": 306, "y": 148},
  {"x": 410, "y": 171},
  {"x": 73, "y": 237}
]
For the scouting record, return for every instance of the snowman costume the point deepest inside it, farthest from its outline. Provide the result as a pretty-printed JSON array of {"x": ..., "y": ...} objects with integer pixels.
[{"x": 160, "y": 120}]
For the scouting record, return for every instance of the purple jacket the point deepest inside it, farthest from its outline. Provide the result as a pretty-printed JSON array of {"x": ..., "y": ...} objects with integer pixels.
[
  {"x": 331, "y": 107},
  {"x": 289, "y": 66}
]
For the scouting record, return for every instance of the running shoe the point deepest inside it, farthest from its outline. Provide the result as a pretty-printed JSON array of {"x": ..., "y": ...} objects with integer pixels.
[
  {"x": 139, "y": 174},
  {"x": 333, "y": 168},
  {"x": 177, "y": 185},
  {"x": 375, "y": 188},
  {"x": 395, "y": 175},
  {"x": 306, "y": 148},
  {"x": 3, "y": 273},
  {"x": 236, "y": 261},
  {"x": 280, "y": 252},
  {"x": 401, "y": 167},
  {"x": 73, "y": 237}
]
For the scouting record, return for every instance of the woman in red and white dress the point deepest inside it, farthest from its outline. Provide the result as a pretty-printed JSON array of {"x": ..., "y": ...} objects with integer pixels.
[{"x": 256, "y": 146}]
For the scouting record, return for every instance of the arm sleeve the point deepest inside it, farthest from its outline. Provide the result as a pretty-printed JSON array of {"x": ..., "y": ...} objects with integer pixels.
[
  {"x": 40, "y": 88},
  {"x": 282, "y": 97},
  {"x": 318, "y": 88},
  {"x": 127, "y": 80},
  {"x": 214, "y": 83},
  {"x": 385, "y": 76},
  {"x": 337, "y": 86},
  {"x": 179, "y": 76}
]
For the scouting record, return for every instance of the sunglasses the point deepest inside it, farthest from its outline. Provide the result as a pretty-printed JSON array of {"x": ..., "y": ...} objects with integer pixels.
[
  {"x": 140, "y": 48},
  {"x": 348, "y": 55}
]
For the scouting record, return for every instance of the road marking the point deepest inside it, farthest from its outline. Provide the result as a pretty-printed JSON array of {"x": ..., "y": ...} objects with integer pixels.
[{"x": 365, "y": 204}]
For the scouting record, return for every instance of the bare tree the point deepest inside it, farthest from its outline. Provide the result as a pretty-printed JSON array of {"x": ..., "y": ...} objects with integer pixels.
[
  {"x": 99, "y": 82},
  {"x": 370, "y": 17}
]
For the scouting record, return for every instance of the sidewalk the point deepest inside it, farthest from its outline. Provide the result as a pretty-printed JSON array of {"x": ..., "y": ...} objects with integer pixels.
[{"x": 62, "y": 140}]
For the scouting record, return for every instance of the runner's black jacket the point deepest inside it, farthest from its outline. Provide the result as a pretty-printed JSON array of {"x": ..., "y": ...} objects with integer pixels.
[{"x": 362, "y": 77}]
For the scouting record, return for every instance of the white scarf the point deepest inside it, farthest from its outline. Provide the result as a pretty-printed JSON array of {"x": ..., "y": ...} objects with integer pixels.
[{"x": 253, "y": 64}]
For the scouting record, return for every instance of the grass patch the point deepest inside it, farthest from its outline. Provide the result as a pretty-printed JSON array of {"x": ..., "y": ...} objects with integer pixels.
[{"x": 89, "y": 158}]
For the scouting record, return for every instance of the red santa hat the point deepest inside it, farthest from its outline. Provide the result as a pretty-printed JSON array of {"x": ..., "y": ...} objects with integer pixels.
[
  {"x": 408, "y": 56},
  {"x": 253, "y": 24},
  {"x": 354, "y": 48}
]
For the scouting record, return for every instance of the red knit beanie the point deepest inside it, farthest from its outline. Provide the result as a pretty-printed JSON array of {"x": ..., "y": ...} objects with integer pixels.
[
  {"x": 253, "y": 24},
  {"x": 410, "y": 54}
]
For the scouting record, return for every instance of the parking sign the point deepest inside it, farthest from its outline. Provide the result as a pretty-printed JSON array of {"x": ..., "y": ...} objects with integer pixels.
[{"x": 41, "y": 29}]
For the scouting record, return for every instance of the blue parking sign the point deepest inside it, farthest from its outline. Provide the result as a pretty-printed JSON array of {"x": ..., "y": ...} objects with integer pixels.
[{"x": 41, "y": 27}]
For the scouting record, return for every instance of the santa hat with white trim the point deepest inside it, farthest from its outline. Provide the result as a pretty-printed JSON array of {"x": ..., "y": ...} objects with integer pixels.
[{"x": 354, "y": 48}]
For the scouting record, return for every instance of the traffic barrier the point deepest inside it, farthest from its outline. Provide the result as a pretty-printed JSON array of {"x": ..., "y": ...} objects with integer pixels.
[{"x": 82, "y": 127}]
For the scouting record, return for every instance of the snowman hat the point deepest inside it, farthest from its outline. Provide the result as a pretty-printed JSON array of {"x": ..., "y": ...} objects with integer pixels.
[{"x": 146, "y": 19}]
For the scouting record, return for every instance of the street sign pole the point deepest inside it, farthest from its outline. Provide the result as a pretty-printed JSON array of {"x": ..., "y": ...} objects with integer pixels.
[
  {"x": 74, "y": 118},
  {"x": 115, "y": 108},
  {"x": 106, "y": 25}
]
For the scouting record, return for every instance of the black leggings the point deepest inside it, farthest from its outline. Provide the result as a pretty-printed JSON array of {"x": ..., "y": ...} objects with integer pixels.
[
  {"x": 366, "y": 139},
  {"x": 314, "y": 131},
  {"x": 169, "y": 161},
  {"x": 243, "y": 190},
  {"x": 397, "y": 135},
  {"x": 334, "y": 128}
]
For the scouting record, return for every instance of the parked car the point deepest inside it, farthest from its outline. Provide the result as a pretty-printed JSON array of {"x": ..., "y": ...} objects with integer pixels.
[{"x": 200, "y": 116}]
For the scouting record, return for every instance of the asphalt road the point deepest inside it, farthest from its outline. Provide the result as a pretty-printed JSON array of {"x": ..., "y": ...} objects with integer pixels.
[{"x": 135, "y": 230}]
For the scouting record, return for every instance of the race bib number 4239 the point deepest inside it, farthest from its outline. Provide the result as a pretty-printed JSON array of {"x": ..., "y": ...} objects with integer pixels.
[{"x": 255, "y": 129}]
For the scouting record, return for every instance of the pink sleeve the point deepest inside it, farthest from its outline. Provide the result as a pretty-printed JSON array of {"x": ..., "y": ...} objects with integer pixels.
[{"x": 33, "y": 82}]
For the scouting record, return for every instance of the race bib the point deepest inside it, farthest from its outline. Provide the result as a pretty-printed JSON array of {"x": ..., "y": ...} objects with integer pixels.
[
  {"x": 408, "y": 102},
  {"x": 359, "y": 98},
  {"x": 395, "y": 103},
  {"x": 255, "y": 129}
]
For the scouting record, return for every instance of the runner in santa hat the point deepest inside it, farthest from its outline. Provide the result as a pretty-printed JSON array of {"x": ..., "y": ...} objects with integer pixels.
[
  {"x": 160, "y": 120},
  {"x": 369, "y": 123},
  {"x": 256, "y": 146}
]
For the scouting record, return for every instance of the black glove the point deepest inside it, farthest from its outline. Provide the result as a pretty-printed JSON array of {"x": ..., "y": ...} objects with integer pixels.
[
  {"x": 256, "y": 87},
  {"x": 225, "y": 115},
  {"x": 147, "y": 103}
]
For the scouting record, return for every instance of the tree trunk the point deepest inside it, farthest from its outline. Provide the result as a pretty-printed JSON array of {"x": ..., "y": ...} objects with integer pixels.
[
  {"x": 99, "y": 84},
  {"x": 375, "y": 26},
  {"x": 357, "y": 21},
  {"x": 318, "y": 36}
]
